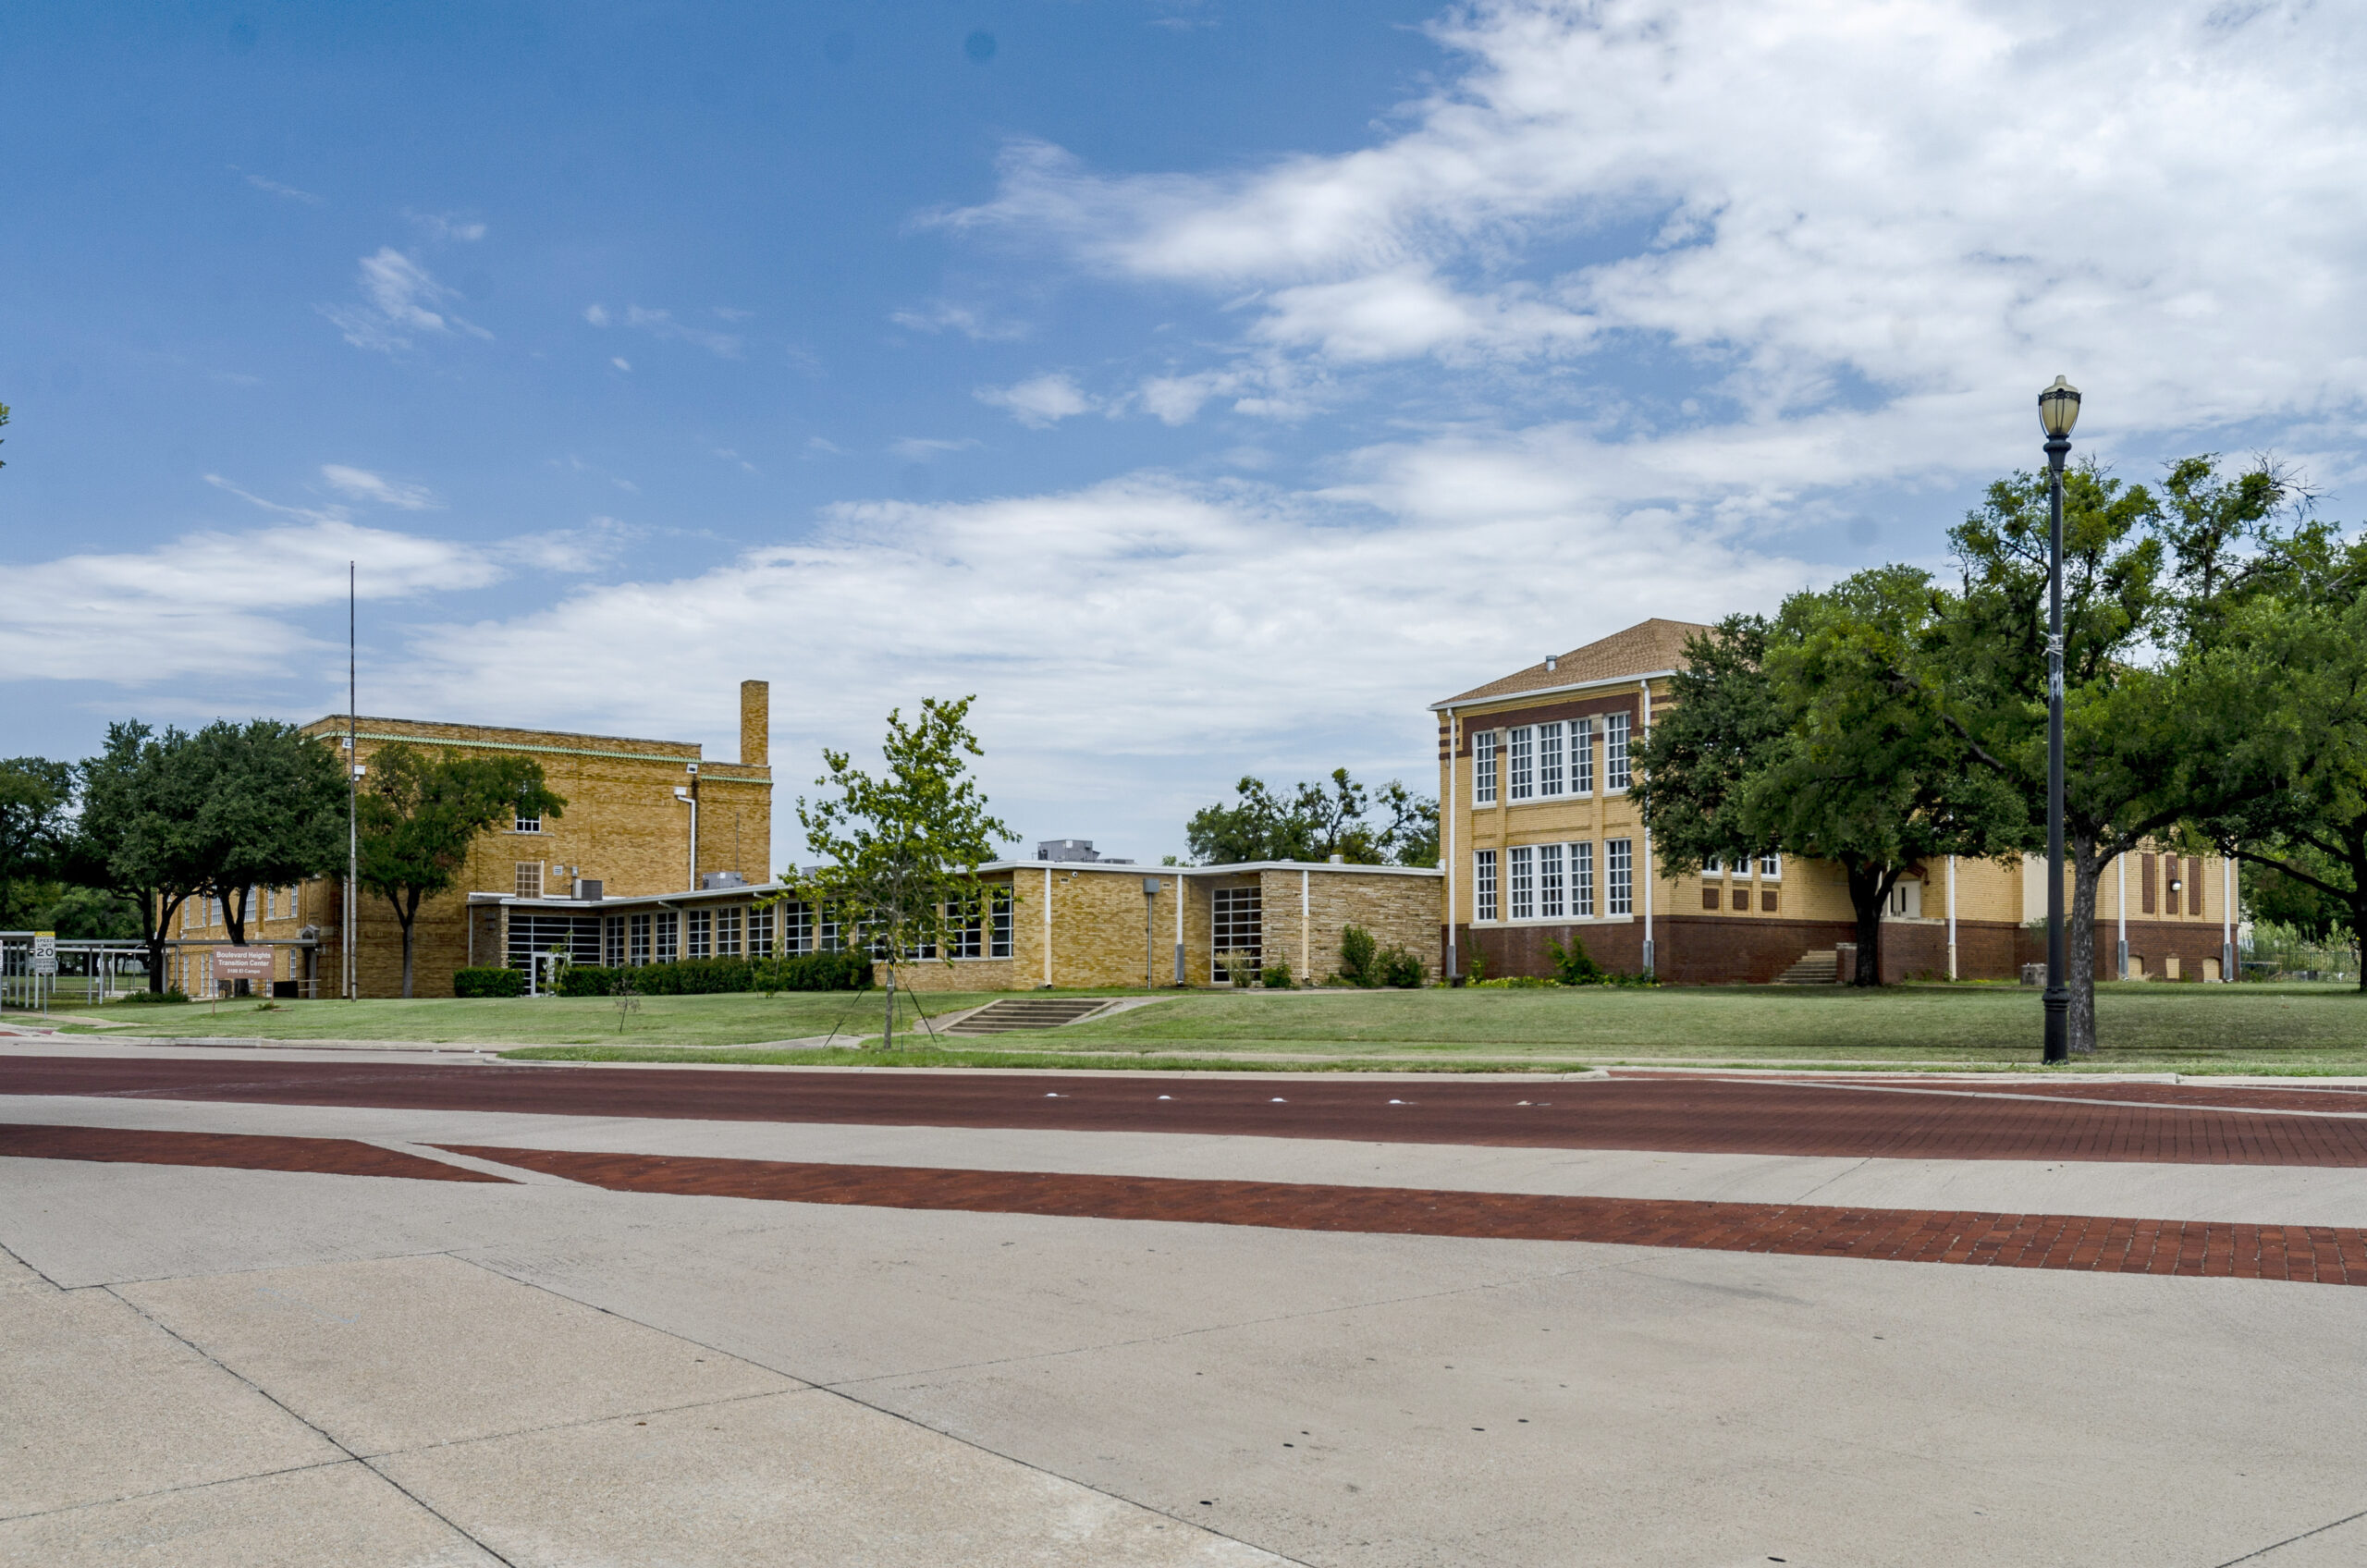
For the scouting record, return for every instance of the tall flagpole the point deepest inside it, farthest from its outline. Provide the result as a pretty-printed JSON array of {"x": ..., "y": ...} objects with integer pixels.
[{"x": 352, "y": 784}]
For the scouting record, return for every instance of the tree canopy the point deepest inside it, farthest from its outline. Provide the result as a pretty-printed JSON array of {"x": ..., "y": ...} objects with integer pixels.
[
  {"x": 271, "y": 810},
  {"x": 1391, "y": 826},
  {"x": 138, "y": 832}
]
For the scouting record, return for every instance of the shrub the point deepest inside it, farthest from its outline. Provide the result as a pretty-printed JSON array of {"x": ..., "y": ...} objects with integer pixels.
[
  {"x": 1401, "y": 969},
  {"x": 1359, "y": 957},
  {"x": 708, "y": 976},
  {"x": 169, "y": 994},
  {"x": 488, "y": 982},
  {"x": 1573, "y": 966},
  {"x": 1275, "y": 976}
]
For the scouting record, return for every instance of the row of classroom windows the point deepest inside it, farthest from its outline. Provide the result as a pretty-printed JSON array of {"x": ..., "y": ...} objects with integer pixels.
[
  {"x": 729, "y": 931},
  {"x": 263, "y": 903},
  {"x": 1543, "y": 762},
  {"x": 1553, "y": 881}
]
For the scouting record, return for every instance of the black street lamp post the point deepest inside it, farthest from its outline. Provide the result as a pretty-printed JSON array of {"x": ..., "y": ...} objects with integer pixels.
[{"x": 2058, "y": 410}]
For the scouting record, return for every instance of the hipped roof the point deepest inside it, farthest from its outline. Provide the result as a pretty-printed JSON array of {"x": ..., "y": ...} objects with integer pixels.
[{"x": 1649, "y": 647}]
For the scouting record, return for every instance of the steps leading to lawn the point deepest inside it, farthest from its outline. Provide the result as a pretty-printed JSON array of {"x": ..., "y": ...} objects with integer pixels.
[
  {"x": 1813, "y": 968},
  {"x": 1028, "y": 1012}
]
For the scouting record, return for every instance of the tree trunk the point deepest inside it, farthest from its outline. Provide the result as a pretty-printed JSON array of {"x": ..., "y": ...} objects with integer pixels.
[
  {"x": 406, "y": 961},
  {"x": 888, "y": 1038},
  {"x": 2087, "y": 870},
  {"x": 234, "y": 915},
  {"x": 1868, "y": 887},
  {"x": 161, "y": 909}
]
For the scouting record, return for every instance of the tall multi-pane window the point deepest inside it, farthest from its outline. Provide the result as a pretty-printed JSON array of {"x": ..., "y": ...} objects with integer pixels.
[
  {"x": 530, "y": 879},
  {"x": 827, "y": 935},
  {"x": 1549, "y": 758},
  {"x": 760, "y": 931},
  {"x": 1483, "y": 768},
  {"x": 613, "y": 948},
  {"x": 1618, "y": 876},
  {"x": 1614, "y": 750},
  {"x": 726, "y": 930},
  {"x": 797, "y": 926},
  {"x": 670, "y": 936},
  {"x": 967, "y": 937},
  {"x": 638, "y": 953},
  {"x": 702, "y": 923},
  {"x": 1582, "y": 756},
  {"x": 1521, "y": 781},
  {"x": 1770, "y": 866},
  {"x": 1238, "y": 928},
  {"x": 1582, "y": 881},
  {"x": 999, "y": 922},
  {"x": 1483, "y": 885},
  {"x": 1548, "y": 882},
  {"x": 1520, "y": 874}
]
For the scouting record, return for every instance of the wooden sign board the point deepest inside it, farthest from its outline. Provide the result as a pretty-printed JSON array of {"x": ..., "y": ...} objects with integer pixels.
[{"x": 242, "y": 964}]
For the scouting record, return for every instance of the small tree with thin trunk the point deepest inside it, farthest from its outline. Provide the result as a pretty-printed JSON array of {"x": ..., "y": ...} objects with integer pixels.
[
  {"x": 899, "y": 853},
  {"x": 420, "y": 814}
]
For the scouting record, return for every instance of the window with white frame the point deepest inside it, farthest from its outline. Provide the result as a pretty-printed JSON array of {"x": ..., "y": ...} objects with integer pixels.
[
  {"x": 1615, "y": 752},
  {"x": 670, "y": 935},
  {"x": 1549, "y": 901},
  {"x": 967, "y": 934},
  {"x": 1483, "y": 885},
  {"x": 613, "y": 954},
  {"x": 701, "y": 923},
  {"x": 524, "y": 824},
  {"x": 1238, "y": 927},
  {"x": 727, "y": 931},
  {"x": 1582, "y": 881},
  {"x": 1714, "y": 866},
  {"x": 638, "y": 953},
  {"x": 1549, "y": 759},
  {"x": 1618, "y": 876},
  {"x": 999, "y": 922},
  {"x": 760, "y": 931},
  {"x": 797, "y": 926},
  {"x": 1582, "y": 756},
  {"x": 1771, "y": 867},
  {"x": 530, "y": 879},
  {"x": 1520, "y": 782},
  {"x": 1520, "y": 876},
  {"x": 827, "y": 936},
  {"x": 1483, "y": 768}
]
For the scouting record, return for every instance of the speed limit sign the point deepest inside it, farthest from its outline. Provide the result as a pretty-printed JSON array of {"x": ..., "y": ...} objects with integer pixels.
[{"x": 44, "y": 952}]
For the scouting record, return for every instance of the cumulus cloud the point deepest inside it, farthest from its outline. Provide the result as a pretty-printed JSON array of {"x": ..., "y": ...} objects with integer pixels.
[
  {"x": 400, "y": 299},
  {"x": 365, "y": 485},
  {"x": 1809, "y": 204},
  {"x": 1038, "y": 401}
]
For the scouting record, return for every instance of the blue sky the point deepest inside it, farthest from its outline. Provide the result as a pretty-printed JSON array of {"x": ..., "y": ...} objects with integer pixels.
[{"x": 1209, "y": 387}]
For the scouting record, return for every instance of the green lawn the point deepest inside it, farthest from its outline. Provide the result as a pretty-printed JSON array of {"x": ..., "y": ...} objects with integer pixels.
[{"x": 2190, "y": 1028}]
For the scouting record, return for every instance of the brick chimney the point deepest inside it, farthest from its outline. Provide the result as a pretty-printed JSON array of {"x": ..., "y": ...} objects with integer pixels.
[{"x": 755, "y": 722}]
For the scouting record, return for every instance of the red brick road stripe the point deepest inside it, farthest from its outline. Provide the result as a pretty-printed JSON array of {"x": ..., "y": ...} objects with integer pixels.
[
  {"x": 238, "y": 1151},
  {"x": 1677, "y": 1114},
  {"x": 2307, "y": 1253}
]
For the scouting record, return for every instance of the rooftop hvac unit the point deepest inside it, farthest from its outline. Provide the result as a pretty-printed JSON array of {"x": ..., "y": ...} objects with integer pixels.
[
  {"x": 1065, "y": 849},
  {"x": 712, "y": 880}
]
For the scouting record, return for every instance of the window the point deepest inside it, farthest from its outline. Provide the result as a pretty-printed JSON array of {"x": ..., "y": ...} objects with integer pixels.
[
  {"x": 797, "y": 926},
  {"x": 701, "y": 923},
  {"x": 523, "y": 824},
  {"x": 1483, "y": 768},
  {"x": 1615, "y": 752},
  {"x": 615, "y": 955},
  {"x": 1713, "y": 898},
  {"x": 1549, "y": 902},
  {"x": 1618, "y": 876},
  {"x": 967, "y": 937},
  {"x": 668, "y": 933},
  {"x": 1582, "y": 881},
  {"x": 1521, "y": 876},
  {"x": 530, "y": 879},
  {"x": 1770, "y": 866},
  {"x": 1522, "y": 784},
  {"x": 998, "y": 922},
  {"x": 1483, "y": 885},
  {"x": 727, "y": 931},
  {"x": 1582, "y": 756},
  {"x": 1713, "y": 866},
  {"x": 760, "y": 931},
  {"x": 827, "y": 937},
  {"x": 638, "y": 953},
  {"x": 574, "y": 938},
  {"x": 1742, "y": 898},
  {"x": 1549, "y": 759},
  {"x": 1770, "y": 901},
  {"x": 1238, "y": 928}
]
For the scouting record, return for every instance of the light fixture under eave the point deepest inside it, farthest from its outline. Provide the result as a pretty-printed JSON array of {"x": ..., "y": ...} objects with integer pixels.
[{"x": 2058, "y": 408}]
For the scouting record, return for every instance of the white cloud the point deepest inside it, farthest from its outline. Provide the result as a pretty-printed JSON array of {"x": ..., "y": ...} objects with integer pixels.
[
  {"x": 365, "y": 485},
  {"x": 1932, "y": 206},
  {"x": 973, "y": 324},
  {"x": 1039, "y": 401},
  {"x": 661, "y": 323},
  {"x": 212, "y": 604},
  {"x": 447, "y": 226},
  {"x": 399, "y": 297},
  {"x": 597, "y": 315},
  {"x": 925, "y": 448},
  {"x": 620, "y": 361},
  {"x": 275, "y": 189}
]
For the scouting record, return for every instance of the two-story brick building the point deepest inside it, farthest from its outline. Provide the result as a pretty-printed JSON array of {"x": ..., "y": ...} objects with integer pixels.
[{"x": 1541, "y": 843}]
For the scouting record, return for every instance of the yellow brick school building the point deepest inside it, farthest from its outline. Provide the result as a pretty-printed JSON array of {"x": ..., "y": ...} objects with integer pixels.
[{"x": 1540, "y": 843}]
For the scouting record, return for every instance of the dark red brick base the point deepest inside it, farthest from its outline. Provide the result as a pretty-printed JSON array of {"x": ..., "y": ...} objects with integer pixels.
[{"x": 2309, "y": 1254}]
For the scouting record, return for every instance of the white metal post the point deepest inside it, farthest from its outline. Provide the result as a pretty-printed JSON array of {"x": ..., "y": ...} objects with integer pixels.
[
  {"x": 2120, "y": 899},
  {"x": 2226, "y": 918},
  {"x": 1952, "y": 917}
]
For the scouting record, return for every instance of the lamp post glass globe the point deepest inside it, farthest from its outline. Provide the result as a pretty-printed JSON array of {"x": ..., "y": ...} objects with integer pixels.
[{"x": 2058, "y": 408}]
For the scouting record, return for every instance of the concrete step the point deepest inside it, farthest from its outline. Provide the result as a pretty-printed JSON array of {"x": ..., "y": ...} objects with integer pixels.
[
  {"x": 1813, "y": 968},
  {"x": 1028, "y": 1012}
]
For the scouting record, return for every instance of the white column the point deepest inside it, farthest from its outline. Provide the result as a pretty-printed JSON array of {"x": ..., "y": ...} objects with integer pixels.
[
  {"x": 1644, "y": 834},
  {"x": 2226, "y": 918},
  {"x": 1180, "y": 886},
  {"x": 2120, "y": 911},
  {"x": 1446, "y": 859},
  {"x": 1305, "y": 929},
  {"x": 1952, "y": 917},
  {"x": 1048, "y": 923}
]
